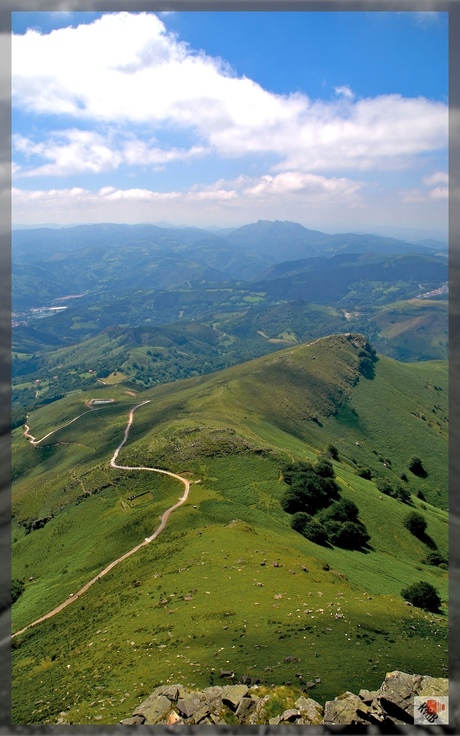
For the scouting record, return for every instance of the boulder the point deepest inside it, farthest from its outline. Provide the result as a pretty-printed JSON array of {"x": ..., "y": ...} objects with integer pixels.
[
  {"x": 245, "y": 705},
  {"x": 310, "y": 710},
  {"x": 133, "y": 721},
  {"x": 190, "y": 703},
  {"x": 233, "y": 694},
  {"x": 346, "y": 709},
  {"x": 290, "y": 715},
  {"x": 396, "y": 695},
  {"x": 154, "y": 708}
]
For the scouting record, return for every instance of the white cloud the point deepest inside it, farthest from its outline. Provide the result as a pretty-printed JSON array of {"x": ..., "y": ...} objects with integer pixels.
[
  {"x": 439, "y": 193},
  {"x": 125, "y": 68},
  {"x": 439, "y": 177},
  {"x": 77, "y": 151},
  {"x": 345, "y": 91}
]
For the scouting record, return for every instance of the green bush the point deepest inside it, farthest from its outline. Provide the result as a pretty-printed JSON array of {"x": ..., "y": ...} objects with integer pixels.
[
  {"x": 324, "y": 468},
  {"x": 343, "y": 510},
  {"x": 298, "y": 521},
  {"x": 415, "y": 466},
  {"x": 17, "y": 587},
  {"x": 415, "y": 523},
  {"x": 349, "y": 534},
  {"x": 403, "y": 494},
  {"x": 423, "y": 595},
  {"x": 435, "y": 558},
  {"x": 308, "y": 491},
  {"x": 332, "y": 451},
  {"x": 315, "y": 532}
]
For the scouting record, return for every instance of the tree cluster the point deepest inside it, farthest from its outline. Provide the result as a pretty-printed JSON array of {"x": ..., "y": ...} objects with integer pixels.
[
  {"x": 423, "y": 595},
  {"x": 395, "y": 491},
  {"x": 312, "y": 489}
]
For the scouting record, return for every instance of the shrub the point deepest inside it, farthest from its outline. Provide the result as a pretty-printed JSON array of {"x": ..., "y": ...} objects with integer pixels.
[
  {"x": 421, "y": 495},
  {"x": 403, "y": 494},
  {"x": 315, "y": 532},
  {"x": 298, "y": 521},
  {"x": 350, "y": 534},
  {"x": 343, "y": 510},
  {"x": 324, "y": 468},
  {"x": 333, "y": 452},
  {"x": 308, "y": 491},
  {"x": 403, "y": 477},
  {"x": 423, "y": 595},
  {"x": 435, "y": 558},
  {"x": 385, "y": 486},
  {"x": 365, "y": 473},
  {"x": 416, "y": 466},
  {"x": 416, "y": 523},
  {"x": 17, "y": 587}
]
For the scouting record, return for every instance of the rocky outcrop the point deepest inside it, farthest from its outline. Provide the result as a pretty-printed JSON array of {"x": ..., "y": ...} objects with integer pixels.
[{"x": 391, "y": 704}]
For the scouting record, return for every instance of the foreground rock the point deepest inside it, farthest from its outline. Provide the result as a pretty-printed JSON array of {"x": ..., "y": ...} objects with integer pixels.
[{"x": 392, "y": 703}]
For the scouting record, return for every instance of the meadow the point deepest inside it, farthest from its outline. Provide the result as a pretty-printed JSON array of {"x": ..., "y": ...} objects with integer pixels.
[{"x": 229, "y": 585}]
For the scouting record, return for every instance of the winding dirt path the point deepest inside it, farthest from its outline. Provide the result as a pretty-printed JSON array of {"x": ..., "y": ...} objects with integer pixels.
[{"x": 147, "y": 540}]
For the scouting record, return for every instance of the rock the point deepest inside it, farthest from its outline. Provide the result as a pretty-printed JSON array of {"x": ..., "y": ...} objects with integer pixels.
[
  {"x": 172, "y": 692},
  {"x": 189, "y": 703},
  {"x": 199, "y": 715},
  {"x": 133, "y": 721},
  {"x": 396, "y": 695},
  {"x": 154, "y": 708},
  {"x": 310, "y": 684},
  {"x": 291, "y": 659},
  {"x": 213, "y": 693},
  {"x": 368, "y": 696},
  {"x": 291, "y": 715},
  {"x": 434, "y": 686},
  {"x": 227, "y": 673},
  {"x": 233, "y": 694},
  {"x": 346, "y": 709},
  {"x": 310, "y": 710},
  {"x": 246, "y": 704}
]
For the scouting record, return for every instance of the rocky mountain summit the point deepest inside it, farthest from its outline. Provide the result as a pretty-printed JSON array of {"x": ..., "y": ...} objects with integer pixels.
[{"x": 246, "y": 704}]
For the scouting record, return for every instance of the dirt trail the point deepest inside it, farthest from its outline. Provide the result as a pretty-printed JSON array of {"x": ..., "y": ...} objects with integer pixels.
[{"x": 147, "y": 540}]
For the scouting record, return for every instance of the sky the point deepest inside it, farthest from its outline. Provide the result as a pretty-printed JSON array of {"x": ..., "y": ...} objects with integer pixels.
[{"x": 335, "y": 120}]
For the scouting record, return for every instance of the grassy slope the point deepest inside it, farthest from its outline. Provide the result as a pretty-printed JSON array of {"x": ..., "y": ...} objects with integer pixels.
[{"x": 233, "y": 431}]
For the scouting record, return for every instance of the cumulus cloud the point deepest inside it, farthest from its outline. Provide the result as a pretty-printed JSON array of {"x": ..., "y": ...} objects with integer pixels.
[
  {"x": 439, "y": 177},
  {"x": 127, "y": 68},
  {"x": 77, "y": 151}
]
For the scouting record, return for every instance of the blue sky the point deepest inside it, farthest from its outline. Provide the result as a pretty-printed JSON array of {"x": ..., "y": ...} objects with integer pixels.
[{"x": 336, "y": 120}]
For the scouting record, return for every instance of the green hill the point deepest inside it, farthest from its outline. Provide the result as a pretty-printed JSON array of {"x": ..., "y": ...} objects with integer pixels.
[{"x": 229, "y": 584}]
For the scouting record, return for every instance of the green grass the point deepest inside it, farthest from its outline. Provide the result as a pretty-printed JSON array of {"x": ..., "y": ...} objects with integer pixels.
[{"x": 233, "y": 431}]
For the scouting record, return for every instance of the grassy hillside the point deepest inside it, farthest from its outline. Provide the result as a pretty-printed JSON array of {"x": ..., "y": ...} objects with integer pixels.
[{"x": 206, "y": 595}]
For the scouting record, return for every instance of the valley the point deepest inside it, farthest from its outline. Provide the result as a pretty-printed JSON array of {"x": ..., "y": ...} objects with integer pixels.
[{"x": 330, "y": 365}]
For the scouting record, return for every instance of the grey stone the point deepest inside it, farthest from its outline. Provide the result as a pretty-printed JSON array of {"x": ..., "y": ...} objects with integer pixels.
[
  {"x": 310, "y": 710},
  {"x": 245, "y": 705},
  {"x": 434, "y": 686},
  {"x": 367, "y": 696},
  {"x": 133, "y": 721},
  {"x": 172, "y": 692},
  {"x": 291, "y": 714},
  {"x": 233, "y": 694},
  {"x": 154, "y": 708},
  {"x": 344, "y": 710},
  {"x": 189, "y": 703},
  {"x": 396, "y": 695},
  {"x": 199, "y": 715}
]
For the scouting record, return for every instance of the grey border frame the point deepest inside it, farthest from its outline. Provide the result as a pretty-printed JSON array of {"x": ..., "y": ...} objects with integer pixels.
[{"x": 453, "y": 9}]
